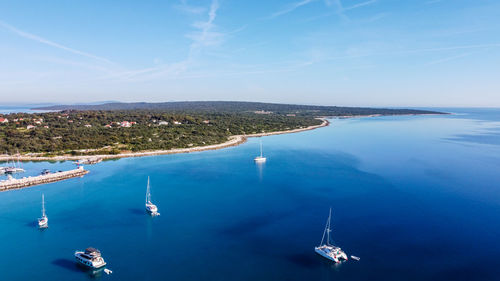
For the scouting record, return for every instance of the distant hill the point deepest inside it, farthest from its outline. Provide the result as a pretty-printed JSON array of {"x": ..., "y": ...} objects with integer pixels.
[{"x": 234, "y": 106}]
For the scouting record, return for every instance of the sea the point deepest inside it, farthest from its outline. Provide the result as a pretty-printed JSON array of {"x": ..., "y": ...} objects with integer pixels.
[{"x": 415, "y": 197}]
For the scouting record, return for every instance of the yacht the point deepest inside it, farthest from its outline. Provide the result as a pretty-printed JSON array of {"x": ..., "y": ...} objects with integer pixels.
[
  {"x": 90, "y": 258},
  {"x": 260, "y": 159},
  {"x": 15, "y": 168},
  {"x": 150, "y": 207},
  {"x": 43, "y": 222},
  {"x": 328, "y": 250}
]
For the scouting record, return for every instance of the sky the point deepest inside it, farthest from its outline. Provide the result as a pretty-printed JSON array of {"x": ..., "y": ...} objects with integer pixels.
[{"x": 323, "y": 52}]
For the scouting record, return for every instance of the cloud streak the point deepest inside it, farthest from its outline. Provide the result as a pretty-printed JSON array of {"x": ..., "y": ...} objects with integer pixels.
[
  {"x": 448, "y": 59},
  {"x": 203, "y": 36},
  {"x": 50, "y": 43},
  {"x": 290, "y": 8},
  {"x": 184, "y": 7},
  {"x": 359, "y": 5}
]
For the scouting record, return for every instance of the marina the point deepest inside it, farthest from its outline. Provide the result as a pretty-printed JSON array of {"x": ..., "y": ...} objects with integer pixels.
[{"x": 14, "y": 183}]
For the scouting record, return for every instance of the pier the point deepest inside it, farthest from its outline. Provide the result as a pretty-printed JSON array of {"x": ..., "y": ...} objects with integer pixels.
[{"x": 14, "y": 183}]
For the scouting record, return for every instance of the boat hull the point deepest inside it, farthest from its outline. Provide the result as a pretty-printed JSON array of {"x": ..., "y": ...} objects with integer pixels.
[
  {"x": 89, "y": 263},
  {"x": 152, "y": 209},
  {"x": 260, "y": 159},
  {"x": 334, "y": 254},
  {"x": 43, "y": 223}
]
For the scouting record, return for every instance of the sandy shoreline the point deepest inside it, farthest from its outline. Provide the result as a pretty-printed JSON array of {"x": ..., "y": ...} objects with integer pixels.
[{"x": 233, "y": 141}]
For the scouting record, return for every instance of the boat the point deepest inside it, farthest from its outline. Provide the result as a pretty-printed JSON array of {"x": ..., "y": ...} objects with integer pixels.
[
  {"x": 150, "y": 207},
  {"x": 328, "y": 250},
  {"x": 88, "y": 161},
  {"x": 355, "y": 258},
  {"x": 91, "y": 257},
  {"x": 107, "y": 271},
  {"x": 260, "y": 159},
  {"x": 43, "y": 222},
  {"x": 14, "y": 168}
]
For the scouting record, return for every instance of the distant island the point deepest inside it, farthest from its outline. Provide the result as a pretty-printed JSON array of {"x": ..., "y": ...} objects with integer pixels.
[{"x": 119, "y": 129}]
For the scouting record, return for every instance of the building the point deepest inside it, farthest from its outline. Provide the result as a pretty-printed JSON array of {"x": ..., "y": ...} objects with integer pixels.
[
  {"x": 29, "y": 127},
  {"x": 125, "y": 124},
  {"x": 4, "y": 120},
  {"x": 88, "y": 125},
  {"x": 163, "y": 123}
]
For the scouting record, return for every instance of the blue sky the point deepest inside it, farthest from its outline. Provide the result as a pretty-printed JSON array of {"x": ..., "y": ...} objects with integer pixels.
[{"x": 332, "y": 52}]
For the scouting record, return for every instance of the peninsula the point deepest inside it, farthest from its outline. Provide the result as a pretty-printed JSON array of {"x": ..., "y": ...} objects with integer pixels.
[{"x": 140, "y": 129}]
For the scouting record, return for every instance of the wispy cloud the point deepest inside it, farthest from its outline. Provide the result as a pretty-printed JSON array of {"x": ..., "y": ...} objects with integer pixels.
[
  {"x": 339, "y": 10},
  {"x": 290, "y": 8},
  {"x": 459, "y": 47},
  {"x": 202, "y": 37},
  {"x": 359, "y": 5},
  {"x": 50, "y": 43},
  {"x": 448, "y": 59},
  {"x": 205, "y": 34},
  {"x": 189, "y": 9}
]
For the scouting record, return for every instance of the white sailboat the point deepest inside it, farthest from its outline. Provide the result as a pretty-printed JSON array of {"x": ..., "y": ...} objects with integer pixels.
[
  {"x": 150, "y": 207},
  {"x": 327, "y": 250},
  {"x": 260, "y": 159},
  {"x": 43, "y": 222},
  {"x": 14, "y": 168}
]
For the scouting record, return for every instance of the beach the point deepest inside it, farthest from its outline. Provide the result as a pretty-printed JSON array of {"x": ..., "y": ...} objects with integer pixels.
[{"x": 232, "y": 141}]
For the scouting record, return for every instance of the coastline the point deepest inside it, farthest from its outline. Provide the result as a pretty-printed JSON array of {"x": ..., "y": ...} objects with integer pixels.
[{"x": 232, "y": 141}]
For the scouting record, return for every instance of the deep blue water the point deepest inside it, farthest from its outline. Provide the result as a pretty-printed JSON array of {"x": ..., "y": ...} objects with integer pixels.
[{"x": 416, "y": 197}]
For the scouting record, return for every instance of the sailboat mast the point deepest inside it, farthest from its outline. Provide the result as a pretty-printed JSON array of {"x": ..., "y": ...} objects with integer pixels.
[
  {"x": 261, "y": 148},
  {"x": 328, "y": 227},
  {"x": 147, "y": 192},
  {"x": 43, "y": 205},
  {"x": 326, "y": 232}
]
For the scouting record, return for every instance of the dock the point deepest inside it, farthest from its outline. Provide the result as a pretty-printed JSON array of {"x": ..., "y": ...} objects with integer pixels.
[{"x": 14, "y": 183}]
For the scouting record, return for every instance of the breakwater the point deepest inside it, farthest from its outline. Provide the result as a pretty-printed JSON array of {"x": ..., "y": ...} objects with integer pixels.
[{"x": 13, "y": 183}]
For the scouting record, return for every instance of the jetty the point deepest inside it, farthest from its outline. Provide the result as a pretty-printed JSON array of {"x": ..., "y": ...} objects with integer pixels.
[{"x": 13, "y": 183}]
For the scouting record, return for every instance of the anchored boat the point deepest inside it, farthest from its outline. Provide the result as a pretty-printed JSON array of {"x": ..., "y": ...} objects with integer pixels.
[
  {"x": 150, "y": 207},
  {"x": 91, "y": 257},
  {"x": 328, "y": 250},
  {"x": 260, "y": 159},
  {"x": 43, "y": 222}
]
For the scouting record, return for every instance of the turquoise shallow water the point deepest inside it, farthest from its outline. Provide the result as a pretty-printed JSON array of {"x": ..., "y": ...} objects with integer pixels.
[{"x": 416, "y": 197}]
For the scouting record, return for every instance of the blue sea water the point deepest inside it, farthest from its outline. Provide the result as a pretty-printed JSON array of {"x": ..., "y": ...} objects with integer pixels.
[{"x": 415, "y": 197}]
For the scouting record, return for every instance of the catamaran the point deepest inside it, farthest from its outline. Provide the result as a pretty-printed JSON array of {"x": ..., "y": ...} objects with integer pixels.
[
  {"x": 43, "y": 222},
  {"x": 91, "y": 258},
  {"x": 327, "y": 250},
  {"x": 150, "y": 207},
  {"x": 260, "y": 159}
]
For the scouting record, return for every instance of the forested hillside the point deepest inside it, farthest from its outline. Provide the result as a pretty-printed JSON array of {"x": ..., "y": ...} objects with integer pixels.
[{"x": 115, "y": 127}]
